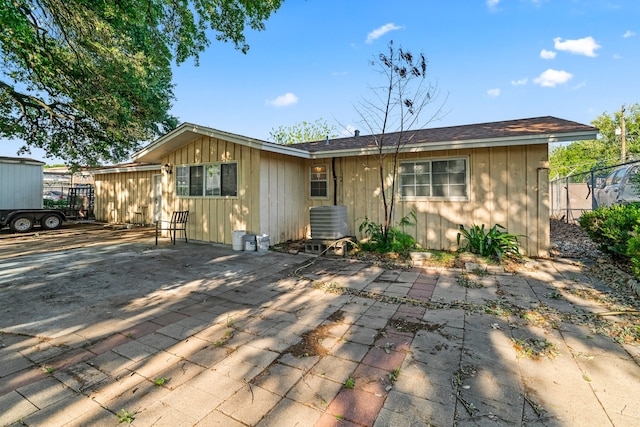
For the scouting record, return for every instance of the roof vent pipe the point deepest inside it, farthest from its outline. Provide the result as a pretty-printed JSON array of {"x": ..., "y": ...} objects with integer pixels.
[
  {"x": 327, "y": 141},
  {"x": 357, "y": 132}
]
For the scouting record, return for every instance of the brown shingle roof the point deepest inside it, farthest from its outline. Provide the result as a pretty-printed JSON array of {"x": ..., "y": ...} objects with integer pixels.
[{"x": 538, "y": 126}]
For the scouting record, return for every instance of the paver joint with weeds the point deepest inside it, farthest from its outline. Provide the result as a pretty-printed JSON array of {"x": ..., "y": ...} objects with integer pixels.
[
  {"x": 537, "y": 408},
  {"x": 458, "y": 379},
  {"x": 125, "y": 417},
  {"x": 393, "y": 375},
  {"x": 350, "y": 383},
  {"x": 228, "y": 334},
  {"x": 466, "y": 282}
]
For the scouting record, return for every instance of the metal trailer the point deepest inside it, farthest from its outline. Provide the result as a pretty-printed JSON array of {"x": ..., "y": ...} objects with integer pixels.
[
  {"x": 23, "y": 220},
  {"x": 21, "y": 183}
]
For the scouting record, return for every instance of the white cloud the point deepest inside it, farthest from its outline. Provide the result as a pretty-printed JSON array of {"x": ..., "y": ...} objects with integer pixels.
[
  {"x": 547, "y": 54},
  {"x": 585, "y": 46},
  {"x": 552, "y": 78},
  {"x": 520, "y": 82},
  {"x": 616, "y": 56},
  {"x": 493, "y": 92},
  {"x": 379, "y": 32},
  {"x": 284, "y": 100},
  {"x": 492, "y": 3},
  {"x": 339, "y": 73},
  {"x": 628, "y": 34}
]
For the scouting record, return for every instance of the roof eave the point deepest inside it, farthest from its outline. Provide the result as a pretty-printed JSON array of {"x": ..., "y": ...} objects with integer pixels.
[
  {"x": 21, "y": 160},
  {"x": 170, "y": 142},
  {"x": 463, "y": 144},
  {"x": 116, "y": 169}
]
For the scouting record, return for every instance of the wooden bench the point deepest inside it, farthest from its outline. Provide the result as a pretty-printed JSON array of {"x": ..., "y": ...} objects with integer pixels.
[{"x": 178, "y": 222}]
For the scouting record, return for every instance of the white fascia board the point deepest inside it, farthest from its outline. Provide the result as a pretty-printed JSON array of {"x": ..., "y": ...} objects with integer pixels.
[
  {"x": 286, "y": 150},
  {"x": 126, "y": 169},
  {"x": 146, "y": 154},
  {"x": 160, "y": 141},
  {"x": 459, "y": 145},
  {"x": 252, "y": 142}
]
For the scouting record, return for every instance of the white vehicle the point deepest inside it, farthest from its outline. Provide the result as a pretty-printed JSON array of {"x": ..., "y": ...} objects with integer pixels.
[{"x": 620, "y": 187}]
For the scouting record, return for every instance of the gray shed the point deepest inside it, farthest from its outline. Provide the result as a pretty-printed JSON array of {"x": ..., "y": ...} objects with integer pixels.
[{"x": 20, "y": 183}]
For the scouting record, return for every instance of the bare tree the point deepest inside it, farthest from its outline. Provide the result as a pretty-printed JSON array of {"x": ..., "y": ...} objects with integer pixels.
[{"x": 394, "y": 112}]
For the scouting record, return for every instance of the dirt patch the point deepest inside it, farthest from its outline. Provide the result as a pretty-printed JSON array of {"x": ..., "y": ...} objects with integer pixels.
[
  {"x": 311, "y": 343},
  {"x": 87, "y": 273},
  {"x": 72, "y": 235}
]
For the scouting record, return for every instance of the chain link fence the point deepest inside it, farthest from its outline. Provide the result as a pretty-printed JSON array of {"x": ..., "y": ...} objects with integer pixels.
[{"x": 604, "y": 186}]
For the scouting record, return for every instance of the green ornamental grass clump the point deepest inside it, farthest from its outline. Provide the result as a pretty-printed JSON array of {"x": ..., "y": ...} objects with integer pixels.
[
  {"x": 493, "y": 242},
  {"x": 395, "y": 239}
]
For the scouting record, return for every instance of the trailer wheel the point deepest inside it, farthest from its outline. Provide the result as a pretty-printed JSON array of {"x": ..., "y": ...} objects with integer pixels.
[
  {"x": 21, "y": 224},
  {"x": 51, "y": 222}
]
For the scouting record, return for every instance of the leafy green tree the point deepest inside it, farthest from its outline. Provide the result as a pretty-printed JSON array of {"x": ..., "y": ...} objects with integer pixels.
[
  {"x": 582, "y": 156},
  {"x": 88, "y": 80},
  {"x": 303, "y": 132}
]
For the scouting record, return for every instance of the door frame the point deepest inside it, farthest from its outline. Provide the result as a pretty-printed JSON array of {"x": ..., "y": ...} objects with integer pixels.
[{"x": 156, "y": 197}]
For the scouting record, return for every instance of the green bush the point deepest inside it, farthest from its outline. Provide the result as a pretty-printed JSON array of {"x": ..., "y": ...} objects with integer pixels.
[
  {"x": 633, "y": 250},
  {"x": 396, "y": 240},
  {"x": 493, "y": 243},
  {"x": 616, "y": 230},
  {"x": 612, "y": 227}
]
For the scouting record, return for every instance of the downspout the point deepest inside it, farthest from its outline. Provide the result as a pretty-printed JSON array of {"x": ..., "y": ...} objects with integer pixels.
[
  {"x": 335, "y": 178},
  {"x": 335, "y": 181}
]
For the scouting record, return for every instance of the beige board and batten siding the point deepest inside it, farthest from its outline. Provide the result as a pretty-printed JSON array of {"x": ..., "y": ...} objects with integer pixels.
[
  {"x": 282, "y": 197},
  {"x": 507, "y": 186},
  {"x": 119, "y": 194},
  {"x": 213, "y": 219},
  {"x": 268, "y": 200},
  {"x": 321, "y": 201}
]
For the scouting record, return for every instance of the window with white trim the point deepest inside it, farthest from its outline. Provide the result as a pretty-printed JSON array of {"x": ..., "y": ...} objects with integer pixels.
[
  {"x": 439, "y": 178},
  {"x": 209, "y": 180},
  {"x": 318, "y": 181}
]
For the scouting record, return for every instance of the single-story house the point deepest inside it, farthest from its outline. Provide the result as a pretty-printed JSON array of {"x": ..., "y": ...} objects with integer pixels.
[{"x": 487, "y": 173}]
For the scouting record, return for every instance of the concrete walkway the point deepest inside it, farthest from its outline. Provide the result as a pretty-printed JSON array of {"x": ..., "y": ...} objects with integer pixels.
[{"x": 198, "y": 334}]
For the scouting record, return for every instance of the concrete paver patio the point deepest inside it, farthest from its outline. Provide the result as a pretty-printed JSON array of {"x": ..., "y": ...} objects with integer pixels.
[{"x": 107, "y": 329}]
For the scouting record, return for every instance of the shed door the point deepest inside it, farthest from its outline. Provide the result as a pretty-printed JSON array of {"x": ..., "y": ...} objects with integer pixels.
[{"x": 157, "y": 197}]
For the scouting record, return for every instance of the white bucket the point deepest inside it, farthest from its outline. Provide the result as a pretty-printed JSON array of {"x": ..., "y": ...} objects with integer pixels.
[
  {"x": 238, "y": 243},
  {"x": 249, "y": 242},
  {"x": 262, "y": 242}
]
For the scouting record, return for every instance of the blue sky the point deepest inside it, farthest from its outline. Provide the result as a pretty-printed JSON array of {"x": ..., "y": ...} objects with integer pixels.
[{"x": 492, "y": 60}]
